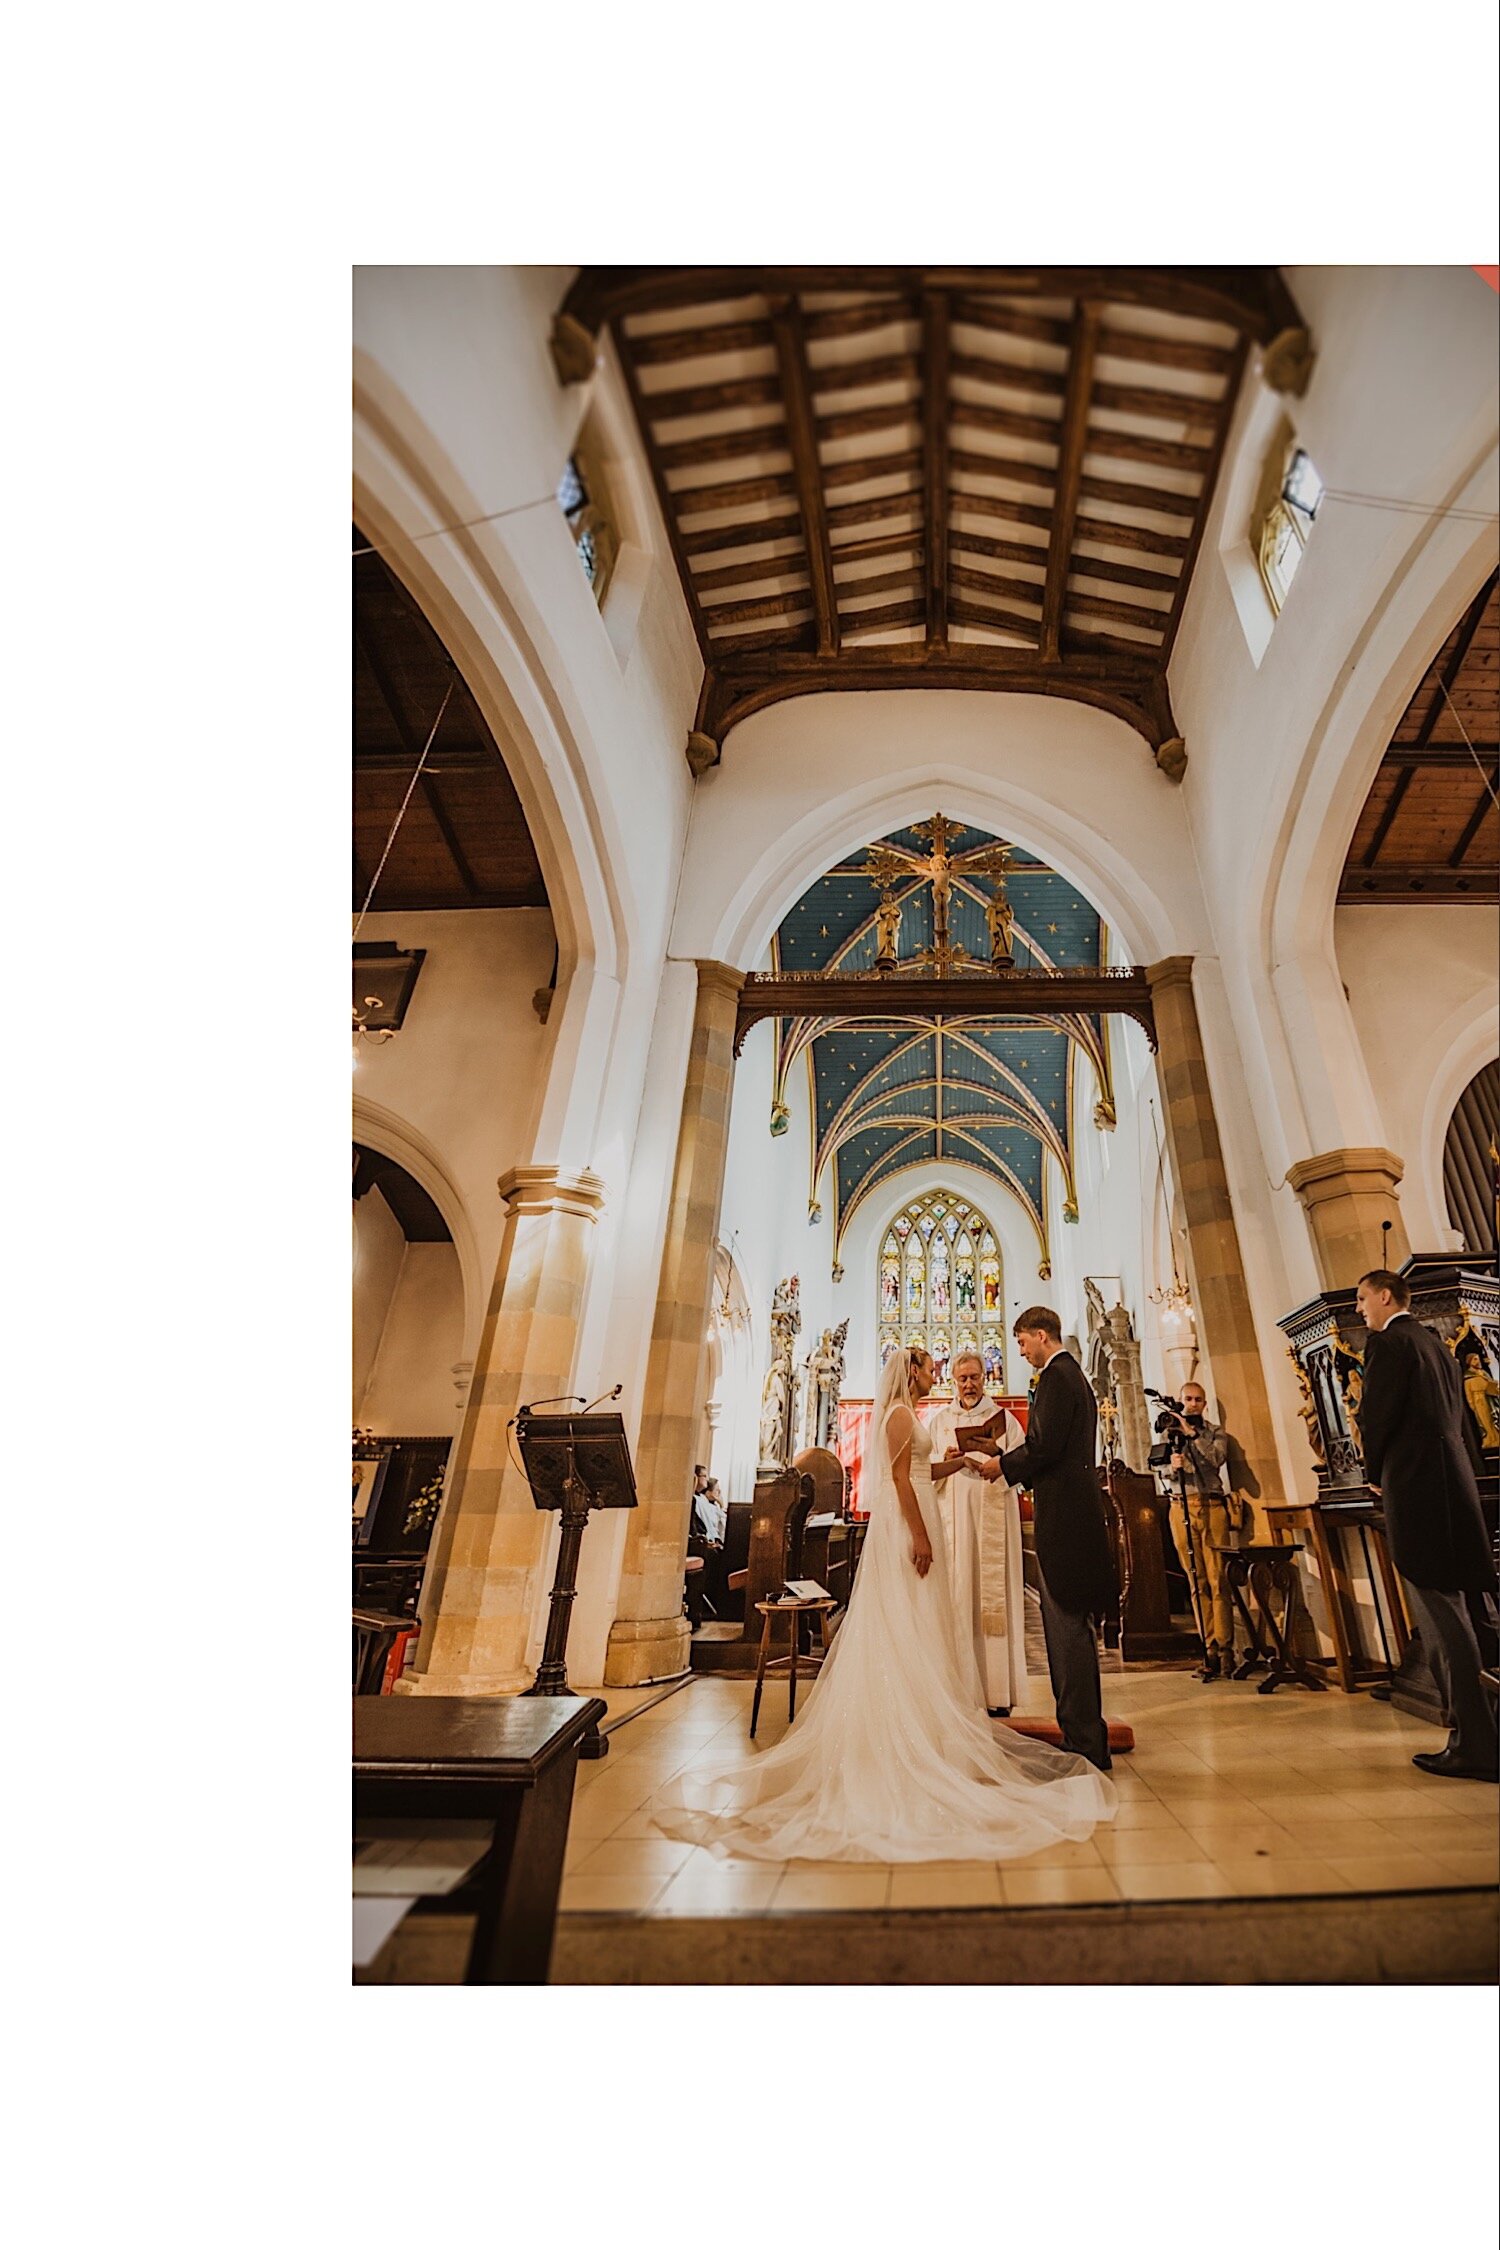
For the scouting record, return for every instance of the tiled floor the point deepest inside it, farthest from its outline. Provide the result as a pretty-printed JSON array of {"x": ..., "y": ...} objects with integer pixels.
[{"x": 1228, "y": 1794}]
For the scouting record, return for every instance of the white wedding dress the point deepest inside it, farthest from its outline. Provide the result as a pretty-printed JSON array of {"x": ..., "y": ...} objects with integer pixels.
[{"x": 892, "y": 1757}]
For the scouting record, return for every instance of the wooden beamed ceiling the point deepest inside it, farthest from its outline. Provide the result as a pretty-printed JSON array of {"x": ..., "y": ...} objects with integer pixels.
[
  {"x": 1430, "y": 829},
  {"x": 463, "y": 840},
  {"x": 878, "y": 477}
]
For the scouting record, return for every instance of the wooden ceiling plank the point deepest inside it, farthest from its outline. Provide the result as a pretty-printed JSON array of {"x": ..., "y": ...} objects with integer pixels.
[
  {"x": 878, "y": 582},
  {"x": 670, "y": 503},
  {"x": 861, "y": 374},
  {"x": 1122, "y": 613},
  {"x": 1139, "y": 496},
  {"x": 887, "y": 543},
  {"x": 764, "y": 605},
  {"x": 856, "y": 512},
  {"x": 1468, "y": 626},
  {"x": 859, "y": 421},
  {"x": 936, "y": 343},
  {"x": 854, "y": 320},
  {"x": 1035, "y": 429},
  {"x": 1009, "y": 320},
  {"x": 1210, "y": 482},
  {"x": 837, "y": 474},
  {"x": 1071, "y": 443},
  {"x": 711, "y": 398},
  {"x": 704, "y": 499},
  {"x": 698, "y": 343},
  {"x": 1002, "y": 550},
  {"x": 881, "y": 619},
  {"x": 1399, "y": 787},
  {"x": 1471, "y": 827},
  {"x": 1009, "y": 374},
  {"x": 741, "y": 535},
  {"x": 1165, "y": 351},
  {"x": 1133, "y": 536},
  {"x": 449, "y": 833},
  {"x": 413, "y": 750},
  {"x": 727, "y": 445},
  {"x": 751, "y": 573},
  {"x": 1156, "y": 453},
  {"x": 990, "y": 582},
  {"x": 802, "y": 434},
  {"x": 1125, "y": 574}
]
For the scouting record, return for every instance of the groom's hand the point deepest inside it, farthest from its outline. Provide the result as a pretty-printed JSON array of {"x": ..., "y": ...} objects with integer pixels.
[{"x": 991, "y": 1471}]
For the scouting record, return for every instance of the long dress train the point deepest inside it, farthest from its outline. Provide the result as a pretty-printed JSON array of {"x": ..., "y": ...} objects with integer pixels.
[{"x": 892, "y": 1757}]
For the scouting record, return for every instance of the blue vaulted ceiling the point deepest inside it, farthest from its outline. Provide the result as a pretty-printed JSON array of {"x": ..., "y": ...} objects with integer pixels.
[{"x": 985, "y": 1091}]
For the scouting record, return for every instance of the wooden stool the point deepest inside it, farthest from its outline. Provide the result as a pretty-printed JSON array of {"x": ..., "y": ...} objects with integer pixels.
[
  {"x": 1268, "y": 1572},
  {"x": 796, "y": 1611}
]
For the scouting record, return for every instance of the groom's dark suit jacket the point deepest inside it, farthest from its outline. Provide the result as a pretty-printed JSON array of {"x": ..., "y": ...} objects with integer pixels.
[
  {"x": 1418, "y": 1448},
  {"x": 1056, "y": 1463}
]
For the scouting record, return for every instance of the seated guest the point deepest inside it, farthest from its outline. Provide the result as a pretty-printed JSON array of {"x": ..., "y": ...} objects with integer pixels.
[
  {"x": 1417, "y": 1458},
  {"x": 710, "y": 1509}
]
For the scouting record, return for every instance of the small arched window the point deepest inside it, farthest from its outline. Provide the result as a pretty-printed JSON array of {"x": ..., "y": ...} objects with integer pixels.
[
  {"x": 583, "y": 496},
  {"x": 1291, "y": 495}
]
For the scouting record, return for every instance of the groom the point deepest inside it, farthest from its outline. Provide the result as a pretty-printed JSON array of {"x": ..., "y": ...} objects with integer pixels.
[{"x": 1072, "y": 1544}]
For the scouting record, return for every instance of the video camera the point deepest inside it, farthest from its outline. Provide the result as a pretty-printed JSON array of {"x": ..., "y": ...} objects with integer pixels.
[{"x": 1173, "y": 1426}]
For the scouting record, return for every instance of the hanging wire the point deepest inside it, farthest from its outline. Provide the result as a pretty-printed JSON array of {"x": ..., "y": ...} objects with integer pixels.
[
  {"x": 1330, "y": 492},
  {"x": 401, "y": 815},
  {"x": 1468, "y": 745}
]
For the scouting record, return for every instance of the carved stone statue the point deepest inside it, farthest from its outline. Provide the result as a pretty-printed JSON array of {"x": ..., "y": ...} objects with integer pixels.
[
  {"x": 888, "y": 929},
  {"x": 775, "y": 1417},
  {"x": 999, "y": 921},
  {"x": 778, "y": 1395},
  {"x": 825, "y": 1373}
]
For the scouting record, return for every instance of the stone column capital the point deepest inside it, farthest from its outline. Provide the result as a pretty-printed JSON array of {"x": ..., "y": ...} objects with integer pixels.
[
  {"x": 1338, "y": 1170},
  {"x": 531, "y": 1190},
  {"x": 1177, "y": 969},
  {"x": 717, "y": 977}
]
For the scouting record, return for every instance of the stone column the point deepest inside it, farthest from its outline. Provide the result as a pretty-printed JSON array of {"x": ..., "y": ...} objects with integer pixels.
[
  {"x": 1345, "y": 1194},
  {"x": 1216, "y": 1268},
  {"x": 649, "y": 1638},
  {"x": 482, "y": 1586}
]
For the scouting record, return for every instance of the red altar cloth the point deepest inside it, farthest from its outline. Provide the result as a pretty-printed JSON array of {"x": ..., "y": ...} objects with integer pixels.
[{"x": 854, "y": 1428}]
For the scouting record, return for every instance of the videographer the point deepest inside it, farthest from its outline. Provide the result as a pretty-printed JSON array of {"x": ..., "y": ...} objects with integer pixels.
[{"x": 1201, "y": 1527}]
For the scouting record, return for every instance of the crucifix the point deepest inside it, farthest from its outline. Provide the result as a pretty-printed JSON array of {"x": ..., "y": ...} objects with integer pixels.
[{"x": 937, "y": 867}]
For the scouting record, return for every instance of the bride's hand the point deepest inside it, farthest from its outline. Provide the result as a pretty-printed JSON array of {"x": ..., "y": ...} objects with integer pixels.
[{"x": 921, "y": 1553}]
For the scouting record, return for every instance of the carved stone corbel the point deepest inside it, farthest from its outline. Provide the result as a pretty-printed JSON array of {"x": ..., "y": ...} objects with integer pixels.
[
  {"x": 574, "y": 350},
  {"x": 1287, "y": 362}
]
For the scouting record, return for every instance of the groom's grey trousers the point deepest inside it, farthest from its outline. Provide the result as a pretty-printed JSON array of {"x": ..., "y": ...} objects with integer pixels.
[{"x": 1073, "y": 1664}]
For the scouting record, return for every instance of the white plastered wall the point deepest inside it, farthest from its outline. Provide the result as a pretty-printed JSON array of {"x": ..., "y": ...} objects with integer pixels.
[{"x": 1421, "y": 982}]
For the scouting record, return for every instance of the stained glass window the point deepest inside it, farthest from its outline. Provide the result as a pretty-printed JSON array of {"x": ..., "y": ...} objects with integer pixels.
[
  {"x": 940, "y": 1287},
  {"x": 580, "y": 495},
  {"x": 1286, "y": 524}
]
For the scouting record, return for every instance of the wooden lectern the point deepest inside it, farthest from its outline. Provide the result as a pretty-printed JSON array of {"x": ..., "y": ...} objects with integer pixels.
[{"x": 573, "y": 1462}]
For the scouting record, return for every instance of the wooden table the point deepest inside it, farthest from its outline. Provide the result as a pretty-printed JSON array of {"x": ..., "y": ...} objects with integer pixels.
[
  {"x": 1325, "y": 1528},
  {"x": 1269, "y": 1572},
  {"x": 796, "y": 1611},
  {"x": 510, "y": 1760}
]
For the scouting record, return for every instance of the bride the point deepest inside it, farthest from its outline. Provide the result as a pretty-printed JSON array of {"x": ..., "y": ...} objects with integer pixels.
[{"x": 893, "y": 1756}]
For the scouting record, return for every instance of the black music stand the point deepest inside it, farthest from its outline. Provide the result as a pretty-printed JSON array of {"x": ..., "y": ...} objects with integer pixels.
[{"x": 574, "y": 1462}]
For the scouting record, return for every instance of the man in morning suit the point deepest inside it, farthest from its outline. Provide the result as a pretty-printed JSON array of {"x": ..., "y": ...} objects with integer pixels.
[
  {"x": 1416, "y": 1445},
  {"x": 1056, "y": 1464}
]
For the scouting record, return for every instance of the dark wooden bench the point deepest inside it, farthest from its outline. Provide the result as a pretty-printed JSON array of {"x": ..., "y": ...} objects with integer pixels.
[{"x": 509, "y": 1760}]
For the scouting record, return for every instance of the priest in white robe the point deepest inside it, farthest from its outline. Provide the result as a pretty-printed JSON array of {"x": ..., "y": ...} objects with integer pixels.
[{"x": 982, "y": 1533}]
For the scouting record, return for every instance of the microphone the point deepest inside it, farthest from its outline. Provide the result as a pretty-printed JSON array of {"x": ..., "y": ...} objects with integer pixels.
[
  {"x": 603, "y": 1395},
  {"x": 563, "y": 1398}
]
